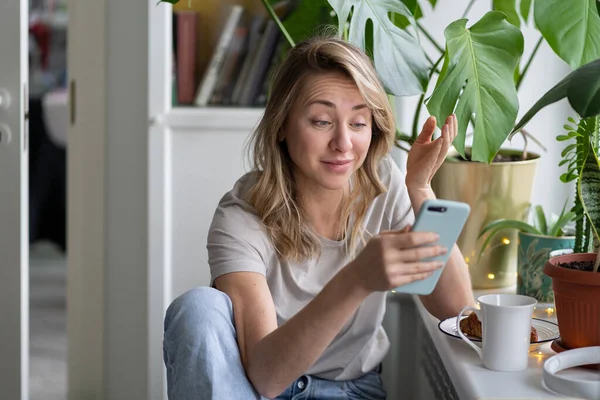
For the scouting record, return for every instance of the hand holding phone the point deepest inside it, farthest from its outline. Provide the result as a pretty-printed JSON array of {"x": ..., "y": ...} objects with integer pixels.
[{"x": 447, "y": 219}]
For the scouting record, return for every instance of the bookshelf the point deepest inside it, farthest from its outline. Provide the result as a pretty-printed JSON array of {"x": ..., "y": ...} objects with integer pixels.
[{"x": 224, "y": 52}]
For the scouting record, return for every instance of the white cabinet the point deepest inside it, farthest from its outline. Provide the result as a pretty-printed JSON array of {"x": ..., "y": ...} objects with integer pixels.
[
  {"x": 208, "y": 150},
  {"x": 201, "y": 152}
]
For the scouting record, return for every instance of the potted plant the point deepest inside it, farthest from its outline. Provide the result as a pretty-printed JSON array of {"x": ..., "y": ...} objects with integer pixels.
[
  {"x": 535, "y": 243},
  {"x": 474, "y": 61},
  {"x": 477, "y": 72},
  {"x": 576, "y": 276}
]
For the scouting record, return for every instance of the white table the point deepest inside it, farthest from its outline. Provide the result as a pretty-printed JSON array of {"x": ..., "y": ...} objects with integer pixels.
[{"x": 471, "y": 380}]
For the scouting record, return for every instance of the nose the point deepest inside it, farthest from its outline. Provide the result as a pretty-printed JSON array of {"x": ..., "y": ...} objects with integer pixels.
[{"x": 342, "y": 139}]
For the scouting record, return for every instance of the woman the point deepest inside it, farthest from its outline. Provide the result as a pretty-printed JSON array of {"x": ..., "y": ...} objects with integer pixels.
[{"x": 303, "y": 249}]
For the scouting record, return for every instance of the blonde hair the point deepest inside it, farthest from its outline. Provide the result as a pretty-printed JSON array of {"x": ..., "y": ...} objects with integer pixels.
[{"x": 274, "y": 194}]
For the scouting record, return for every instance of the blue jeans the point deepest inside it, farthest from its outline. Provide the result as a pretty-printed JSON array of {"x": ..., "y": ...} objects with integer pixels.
[{"x": 203, "y": 360}]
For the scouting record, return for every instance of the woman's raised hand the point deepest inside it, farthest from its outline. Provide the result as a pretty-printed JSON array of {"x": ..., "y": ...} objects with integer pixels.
[
  {"x": 395, "y": 258},
  {"x": 426, "y": 156}
]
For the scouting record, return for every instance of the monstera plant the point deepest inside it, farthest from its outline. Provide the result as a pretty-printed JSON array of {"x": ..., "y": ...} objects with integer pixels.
[
  {"x": 482, "y": 61},
  {"x": 482, "y": 67}
]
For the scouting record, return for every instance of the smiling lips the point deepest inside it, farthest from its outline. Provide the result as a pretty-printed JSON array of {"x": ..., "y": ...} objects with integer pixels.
[{"x": 339, "y": 166}]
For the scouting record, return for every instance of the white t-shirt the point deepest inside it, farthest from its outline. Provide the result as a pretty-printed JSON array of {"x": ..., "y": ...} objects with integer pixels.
[{"x": 236, "y": 242}]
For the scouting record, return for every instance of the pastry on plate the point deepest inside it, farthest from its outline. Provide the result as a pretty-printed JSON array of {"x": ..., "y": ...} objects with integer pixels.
[{"x": 471, "y": 326}]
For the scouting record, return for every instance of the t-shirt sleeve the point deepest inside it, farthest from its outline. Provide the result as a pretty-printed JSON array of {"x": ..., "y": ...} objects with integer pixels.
[
  {"x": 235, "y": 243},
  {"x": 401, "y": 209}
]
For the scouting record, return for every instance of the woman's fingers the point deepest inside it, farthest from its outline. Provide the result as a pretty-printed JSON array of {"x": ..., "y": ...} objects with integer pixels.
[
  {"x": 421, "y": 253},
  {"x": 427, "y": 131},
  {"x": 406, "y": 240},
  {"x": 415, "y": 254},
  {"x": 422, "y": 267},
  {"x": 416, "y": 271}
]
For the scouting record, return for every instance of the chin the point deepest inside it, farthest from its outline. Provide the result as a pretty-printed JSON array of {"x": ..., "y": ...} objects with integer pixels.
[{"x": 335, "y": 183}]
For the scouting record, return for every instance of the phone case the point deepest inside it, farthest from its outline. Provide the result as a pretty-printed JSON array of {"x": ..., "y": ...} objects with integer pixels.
[{"x": 447, "y": 219}]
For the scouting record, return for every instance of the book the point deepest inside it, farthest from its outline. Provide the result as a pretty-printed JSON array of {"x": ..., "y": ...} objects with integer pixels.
[
  {"x": 187, "y": 22},
  {"x": 254, "y": 35},
  {"x": 231, "y": 66},
  {"x": 260, "y": 63},
  {"x": 209, "y": 80}
]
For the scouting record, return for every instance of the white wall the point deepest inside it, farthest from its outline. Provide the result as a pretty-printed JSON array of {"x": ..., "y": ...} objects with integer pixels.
[{"x": 546, "y": 70}]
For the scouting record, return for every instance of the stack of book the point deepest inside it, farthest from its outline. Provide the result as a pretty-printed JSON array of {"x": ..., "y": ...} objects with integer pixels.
[{"x": 241, "y": 64}]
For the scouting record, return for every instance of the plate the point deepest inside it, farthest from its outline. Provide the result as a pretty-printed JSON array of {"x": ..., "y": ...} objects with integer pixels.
[{"x": 547, "y": 331}]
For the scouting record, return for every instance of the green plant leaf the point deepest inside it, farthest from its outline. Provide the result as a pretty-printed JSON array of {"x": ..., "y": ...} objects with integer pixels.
[
  {"x": 560, "y": 223},
  {"x": 477, "y": 82},
  {"x": 540, "y": 217},
  {"x": 415, "y": 9},
  {"x": 583, "y": 95},
  {"x": 510, "y": 224},
  {"x": 496, "y": 226},
  {"x": 583, "y": 90},
  {"x": 568, "y": 177},
  {"x": 398, "y": 56},
  {"x": 571, "y": 28},
  {"x": 525, "y": 9},
  {"x": 589, "y": 189},
  {"x": 508, "y": 7},
  {"x": 304, "y": 21}
]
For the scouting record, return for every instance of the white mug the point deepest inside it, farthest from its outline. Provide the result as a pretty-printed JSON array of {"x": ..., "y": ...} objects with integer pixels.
[{"x": 506, "y": 328}]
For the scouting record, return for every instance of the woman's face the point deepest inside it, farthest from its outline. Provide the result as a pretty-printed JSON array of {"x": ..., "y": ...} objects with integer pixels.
[{"x": 328, "y": 131}]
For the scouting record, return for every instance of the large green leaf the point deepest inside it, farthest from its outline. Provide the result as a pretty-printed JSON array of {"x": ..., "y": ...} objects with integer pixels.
[
  {"x": 477, "y": 82},
  {"x": 571, "y": 28},
  {"x": 525, "y": 8},
  {"x": 589, "y": 189},
  {"x": 584, "y": 90},
  {"x": 558, "y": 92},
  {"x": 582, "y": 87},
  {"x": 307, "y": 17},
  {"x": 416, "y": 9},
  {"x": 508, "y": 7},
  {"x": 398, "y": 56}
]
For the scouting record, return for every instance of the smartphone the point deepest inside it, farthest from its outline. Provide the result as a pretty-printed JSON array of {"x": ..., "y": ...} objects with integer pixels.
[{"x": 447, "y": 219}]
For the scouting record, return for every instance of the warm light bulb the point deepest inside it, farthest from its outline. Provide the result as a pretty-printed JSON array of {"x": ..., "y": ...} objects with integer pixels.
[
  {"x": 505, "y": 241},
  {"x": 467, "y": 259},
  {"x": 550, "y": 310},
  {"x": 491, "y": 276}
]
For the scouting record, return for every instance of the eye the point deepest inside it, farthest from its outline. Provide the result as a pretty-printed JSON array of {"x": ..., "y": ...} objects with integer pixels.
[
  {"x": 321, "y": 123},
  {"x": 358, "y": 125}
]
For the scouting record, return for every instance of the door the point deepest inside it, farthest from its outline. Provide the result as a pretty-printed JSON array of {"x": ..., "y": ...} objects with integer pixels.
[{"x": 14, "y": 262}]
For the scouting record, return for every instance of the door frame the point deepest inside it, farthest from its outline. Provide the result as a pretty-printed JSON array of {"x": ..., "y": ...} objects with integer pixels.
[
  {"x": 14, "y": 193},
  {"x": 118, "y": 204}
]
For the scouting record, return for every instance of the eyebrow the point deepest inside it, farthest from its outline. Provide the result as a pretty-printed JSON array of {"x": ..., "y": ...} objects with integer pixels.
[{"x": 329, "y": 104}]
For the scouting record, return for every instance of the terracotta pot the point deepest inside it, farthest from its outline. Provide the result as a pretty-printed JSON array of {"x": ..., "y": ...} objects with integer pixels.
[{"x": 577, "y": 300}]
